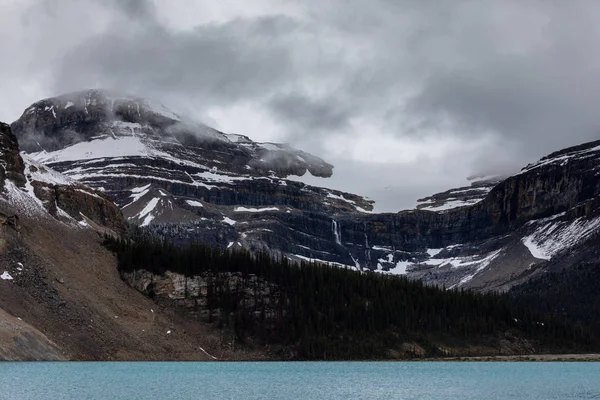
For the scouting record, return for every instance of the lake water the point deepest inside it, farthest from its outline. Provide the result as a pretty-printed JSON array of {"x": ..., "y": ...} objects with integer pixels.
[{"x": 356, "y": 380}]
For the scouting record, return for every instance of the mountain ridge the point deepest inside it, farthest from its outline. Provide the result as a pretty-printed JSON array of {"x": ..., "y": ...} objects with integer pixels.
[
  {"x": 189, "y": 190},
  {"x": 544, "y": 217}
]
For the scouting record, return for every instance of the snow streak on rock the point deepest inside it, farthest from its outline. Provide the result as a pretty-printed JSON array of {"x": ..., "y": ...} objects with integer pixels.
[{"x": 553, "y": 236}]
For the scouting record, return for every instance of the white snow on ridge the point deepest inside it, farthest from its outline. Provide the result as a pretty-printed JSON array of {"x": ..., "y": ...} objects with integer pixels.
[
  {"x": 316, "y": 260},
  {"x": 42, "y": 173},
  {"x": 146, "y": 212},
  {"x": 434, "y": 252},
  {"x": 563, "y": 159},
  {"x": 552, "y": 237},
  {"x": 255, "y": 210},
  {"x": 337, "y": 197},
  {"x": 450, "y": 205},
  {"x": 24, "y": 201},
  {"x": 533, "y": 248},
  {"x": 194, "y": 203},
  {"x": 483, "y": 178},
  {"x": 98, "y": 148},
  {"x": 483, "y": 264},
  {"x": 138, "y": 193},
  {"x": 465, "y": 261},
  {"x": 229, "y": 221},
  {"x": 141, "y": 189},
  {"x": 382, "y": 248},
  {"x": 399, "y": 269},
  {"x": 211, "y": 176}
]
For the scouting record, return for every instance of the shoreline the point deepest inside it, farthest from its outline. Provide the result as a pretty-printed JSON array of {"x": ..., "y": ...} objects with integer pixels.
[{"x": 525, "y": 358}]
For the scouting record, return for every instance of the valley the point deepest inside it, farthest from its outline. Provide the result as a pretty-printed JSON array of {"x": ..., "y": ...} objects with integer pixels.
[{"x": 90, "y": 165}]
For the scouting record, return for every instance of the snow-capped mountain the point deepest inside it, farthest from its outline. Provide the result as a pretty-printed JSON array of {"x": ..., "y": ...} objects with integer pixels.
[
  {"x": 189, "y": 182},
  {"x": 183, "y": 178},
  {"x": 62, "y": 295},
  {"x": 460, "y": 197}
]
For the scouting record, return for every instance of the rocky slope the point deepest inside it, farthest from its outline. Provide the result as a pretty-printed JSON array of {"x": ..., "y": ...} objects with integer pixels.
[
  {"x": 162, "y": 169},
  {"x": 61, "y": 296},
  {"x": 188, "y": 182}
]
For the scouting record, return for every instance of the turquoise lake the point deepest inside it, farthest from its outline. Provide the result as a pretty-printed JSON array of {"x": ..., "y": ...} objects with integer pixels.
[{"x": 354, "y": 380}]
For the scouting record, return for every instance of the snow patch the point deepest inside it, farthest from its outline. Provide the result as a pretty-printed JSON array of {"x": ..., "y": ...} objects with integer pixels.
[
  {"x": 255, "y": 210},
  {"x": 229, "y": 221},
  {"x": 434, "y": 252},
  {"x": 146, "y": 212},
  {"x": 98, "y": 148},
  {"x": 552, "y": 237},
  {"x": 138, "y": 193},
  {"x": 6, "y": 276},
  {"x": 399, "y": 269},
  {"x": 316, "y": 260},
  {"x": 35, "y": 171},
  {"x": 450, "y": 205}
]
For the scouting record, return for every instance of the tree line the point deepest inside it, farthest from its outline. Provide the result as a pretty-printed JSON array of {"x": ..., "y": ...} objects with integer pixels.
[{"x": 319, "y": 312}]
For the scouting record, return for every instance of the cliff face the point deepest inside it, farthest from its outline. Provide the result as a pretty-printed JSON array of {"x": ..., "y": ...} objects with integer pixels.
[
  {"x": 35, "y": 189},
  {"x": 188, "y": 182},
  {"x": 11, "y": 163},
  {"x": 61, "y": 296}
]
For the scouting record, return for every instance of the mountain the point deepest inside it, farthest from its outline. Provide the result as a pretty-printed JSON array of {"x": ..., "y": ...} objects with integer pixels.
[
  {"x": 94, "y": 161},
  {"x": 187, "y": 182},
  {"x": 61, "y": 296},
  {"x": 162, "y": 169}
]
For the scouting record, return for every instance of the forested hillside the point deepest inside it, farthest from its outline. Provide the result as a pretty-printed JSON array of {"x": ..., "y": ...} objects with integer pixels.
[
  {"x": 324, "y": 312},
  {"x": 571, "y": 294}
]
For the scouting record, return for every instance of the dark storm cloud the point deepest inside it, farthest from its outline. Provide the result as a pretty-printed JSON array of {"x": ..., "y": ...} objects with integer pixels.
[
  {"x": 543, "y": 98},
  {"x": 520, "y": 79},
  {"x": 218, "y": 62},
  {"x": 134, "y": 8},
  {"x": 311, "y": 113}
]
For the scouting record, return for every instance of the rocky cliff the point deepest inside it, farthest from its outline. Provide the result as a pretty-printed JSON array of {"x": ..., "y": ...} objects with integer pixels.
[
  {"x": 188, "y": 182},
  {"x": 35, "y": 189},
  {"x": 61, "y": 296},
  {"x": 11, "y": 163},
  {"x": 175, "y": 175}
]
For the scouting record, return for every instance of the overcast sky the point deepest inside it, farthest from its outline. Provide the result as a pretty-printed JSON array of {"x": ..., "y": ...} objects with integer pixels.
[{"x": 405, "y": 97}]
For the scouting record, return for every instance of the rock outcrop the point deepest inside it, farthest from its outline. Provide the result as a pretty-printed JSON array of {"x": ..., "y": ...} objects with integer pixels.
[
  {"x": 61, "y": 296},
  {"x": 11, "y": 163}
]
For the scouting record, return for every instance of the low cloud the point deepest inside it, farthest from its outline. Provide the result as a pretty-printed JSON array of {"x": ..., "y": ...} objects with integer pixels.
[{"x": 518, "y": 79}]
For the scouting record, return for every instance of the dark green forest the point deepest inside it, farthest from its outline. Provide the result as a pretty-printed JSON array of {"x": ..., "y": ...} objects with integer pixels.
[
  {"x": 322, "y": 312},
  {"x": 572, "y": 294}
]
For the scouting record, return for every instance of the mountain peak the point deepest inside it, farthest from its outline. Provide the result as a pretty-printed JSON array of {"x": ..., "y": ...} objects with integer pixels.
[{"x": 126, "y": 125}]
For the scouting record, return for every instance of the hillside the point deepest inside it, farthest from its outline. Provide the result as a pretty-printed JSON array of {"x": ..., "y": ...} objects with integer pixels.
[
  {"x": 187, "y": 182},
  {"x": 97, "y": 164},
  {"x": 321, "y": 312},
  {"x": 61, "y": 296}
]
